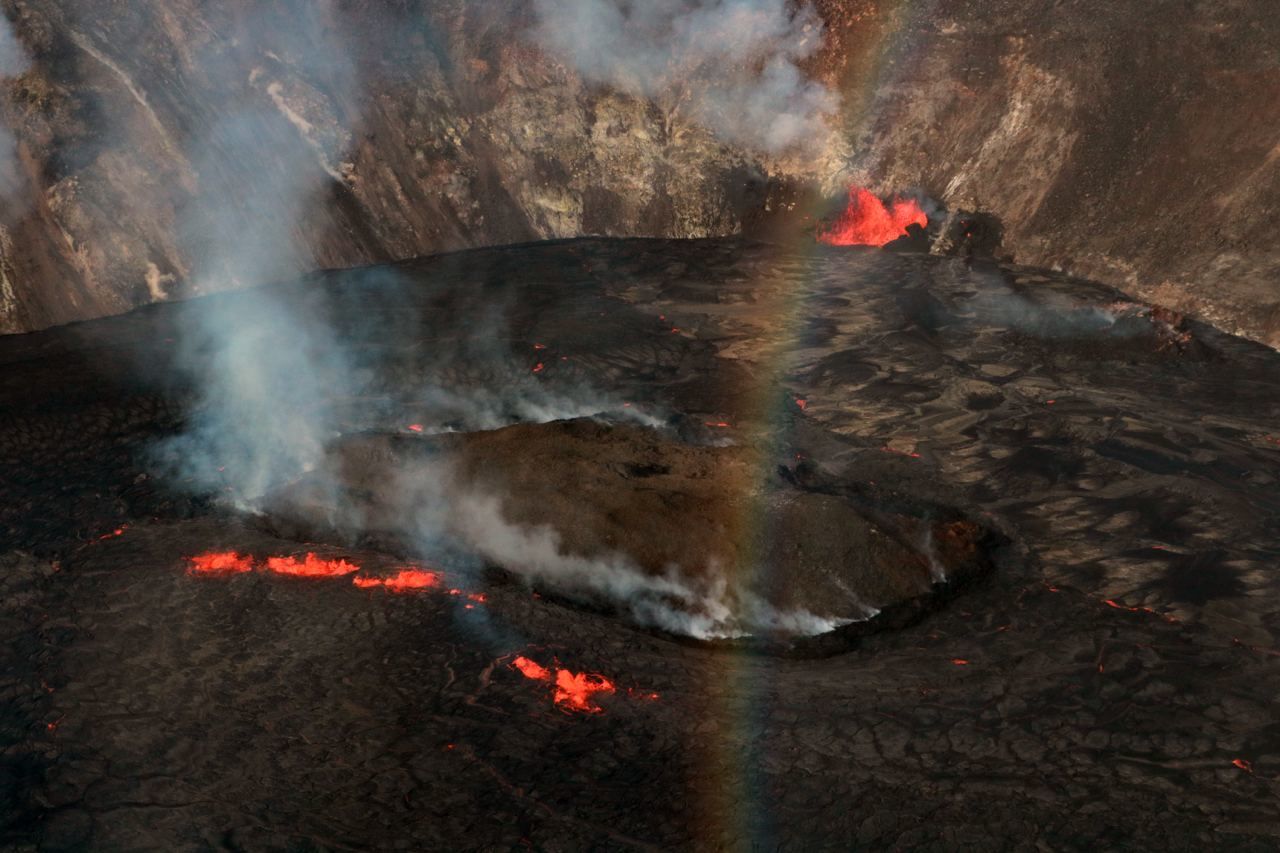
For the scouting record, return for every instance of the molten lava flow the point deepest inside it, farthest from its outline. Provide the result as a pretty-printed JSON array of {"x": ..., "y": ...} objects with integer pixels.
[
  {"x": 531, "y": 669},
  {"x": 575, "y": 689},
  {"x": 310, "y": 567},
  {"x": 220, "y": 562},
  {"x": 867, "y": 222},
  {"x": 409, "y": 579},
  {"x": 406, "y": 580}
]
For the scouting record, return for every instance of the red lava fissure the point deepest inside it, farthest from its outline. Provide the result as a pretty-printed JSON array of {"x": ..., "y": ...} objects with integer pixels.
[
  {"x": 402, "y": 581},
  {"x": 309, "y": 566},
  {"x": 572, "y": 692}
]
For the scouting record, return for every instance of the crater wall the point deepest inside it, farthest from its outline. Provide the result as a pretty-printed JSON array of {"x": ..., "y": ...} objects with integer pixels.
[{"x": 1132, "y": 143}]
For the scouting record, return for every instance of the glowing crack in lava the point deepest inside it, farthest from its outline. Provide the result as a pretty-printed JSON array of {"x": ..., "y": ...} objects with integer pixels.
[
  {"x": 574, "y": 692},
  {"x": 406, "y": 580},
  {"x": 868, "y": 222},
  {"x": 310, "y": 567},
  {"x": 220, "y": 562}
]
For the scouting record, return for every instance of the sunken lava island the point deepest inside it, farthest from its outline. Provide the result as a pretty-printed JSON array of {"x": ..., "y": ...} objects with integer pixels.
[{"x": 822, "y": 513}]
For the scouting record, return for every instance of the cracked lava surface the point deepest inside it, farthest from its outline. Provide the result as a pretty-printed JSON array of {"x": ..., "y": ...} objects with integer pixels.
[{"x": 179, "y": 676}]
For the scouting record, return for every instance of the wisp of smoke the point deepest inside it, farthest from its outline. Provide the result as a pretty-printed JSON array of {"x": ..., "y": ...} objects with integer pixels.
[
  {"x": 14, "y": 60},
  {"x": 732, "y": 64},
  {"x": 1050, "y": 315},
  {"x": 439, "y": 508}
]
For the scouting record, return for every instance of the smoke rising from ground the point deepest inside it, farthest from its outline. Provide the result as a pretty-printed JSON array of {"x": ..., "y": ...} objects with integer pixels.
[
  {"x": 14, "y": 60},
  {"x": 264, "y": 367},
  {"x": 728, "y": 64},
  {"x": 672, "y": 602},
  {"x": 444, "y": 512},
  {"x": 1049, "y": 315}
]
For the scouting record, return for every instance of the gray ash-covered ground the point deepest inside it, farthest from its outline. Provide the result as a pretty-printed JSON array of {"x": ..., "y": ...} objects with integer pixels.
[{"x": 1110, "y": 682}]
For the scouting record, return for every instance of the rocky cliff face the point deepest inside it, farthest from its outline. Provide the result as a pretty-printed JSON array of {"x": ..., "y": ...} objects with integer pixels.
[
  {"x": 398, "y": 129},
  {"x": 1133, "y": 143}
]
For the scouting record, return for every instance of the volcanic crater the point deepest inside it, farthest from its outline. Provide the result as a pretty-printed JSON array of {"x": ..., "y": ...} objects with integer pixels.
[{"x": 1017, "y": 469}]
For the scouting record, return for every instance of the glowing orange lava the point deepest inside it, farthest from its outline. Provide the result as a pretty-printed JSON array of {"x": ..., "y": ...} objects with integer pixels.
[
  {"x": 574, "y": 691},
  {"x": 310, "y": 567},
  {"x": 220, "y": 562},
  {"x": 406, "y": 580},
  {"x": 415, "y": 427},
  {"x": 1244, "y": 764},
  {"x": 531, "y": 669},
  {"x": 868, "y": 222}
]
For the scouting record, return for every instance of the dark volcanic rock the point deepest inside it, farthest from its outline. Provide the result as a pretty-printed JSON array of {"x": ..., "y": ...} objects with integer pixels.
[{"x": 1112, "y": 685}]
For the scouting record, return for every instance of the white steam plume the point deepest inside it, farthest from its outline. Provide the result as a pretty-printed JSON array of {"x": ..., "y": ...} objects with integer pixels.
[
  {"x": 707, "y": 609},
  {"x": 731, "y": 64},
  {"x": 264, "y": 366}
]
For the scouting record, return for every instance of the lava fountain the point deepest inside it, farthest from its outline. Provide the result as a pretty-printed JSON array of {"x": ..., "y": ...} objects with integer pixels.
[{"x": 867, "y": 221}]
